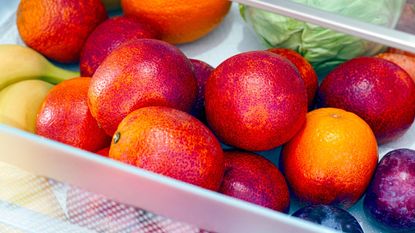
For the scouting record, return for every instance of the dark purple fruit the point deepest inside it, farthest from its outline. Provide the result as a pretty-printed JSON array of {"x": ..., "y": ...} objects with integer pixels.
[
  {"x": 390, "y": 198},
  {"x": 330, "y": 216}
]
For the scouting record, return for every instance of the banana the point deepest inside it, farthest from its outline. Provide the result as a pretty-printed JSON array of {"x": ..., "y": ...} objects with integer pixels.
[
  {"x": 19, "y": 63},
  {"x": 21, "y": 101},
  {"x": 29, "y": 192}
]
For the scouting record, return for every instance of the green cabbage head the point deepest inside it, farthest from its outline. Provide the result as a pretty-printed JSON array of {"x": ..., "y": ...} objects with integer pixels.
[{"x": 324, "y": 48}]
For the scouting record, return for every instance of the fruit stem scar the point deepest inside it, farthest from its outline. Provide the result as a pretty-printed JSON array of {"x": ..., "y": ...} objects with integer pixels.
[{"x": 117, "y": 137}]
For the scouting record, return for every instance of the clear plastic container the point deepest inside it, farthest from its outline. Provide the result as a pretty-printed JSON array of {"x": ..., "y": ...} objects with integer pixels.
[{"x": 46, "y": 186}]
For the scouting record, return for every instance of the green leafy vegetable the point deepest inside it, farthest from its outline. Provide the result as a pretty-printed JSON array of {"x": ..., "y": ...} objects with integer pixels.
[{"x": 324, "y": 48}]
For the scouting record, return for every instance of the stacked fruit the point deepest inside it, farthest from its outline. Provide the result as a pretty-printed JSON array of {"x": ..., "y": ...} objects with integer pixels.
[
  {"x": 25, "y": 79},
  {"x": 167, "y": 113}
]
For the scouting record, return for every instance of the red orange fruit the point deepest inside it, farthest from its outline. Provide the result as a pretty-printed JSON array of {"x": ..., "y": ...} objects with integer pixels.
[
  {"x": 172, "y": 143},
  {"x": 108, "y": 36},
  {"x": 58, "y": 29},
  {"x": 253, "y": 178},
  {"x": 404, "y": 61},
  {"x": 307, "y": 72},
  {"x": 141, "y": 73},
  {"x": 255, "y": 101},
  {"x": 104, "y": 152},
  {"x": 379, "y": 91},
  {"x": 65, "y": 117}
]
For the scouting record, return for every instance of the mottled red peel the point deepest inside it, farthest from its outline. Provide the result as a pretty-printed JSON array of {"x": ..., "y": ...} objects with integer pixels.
[
  {"x": 140, "y": 73},
  {"x": 377, "y": 90},
  {"x": 108, "y": 36},
  {"x": 255, "y": 101}
]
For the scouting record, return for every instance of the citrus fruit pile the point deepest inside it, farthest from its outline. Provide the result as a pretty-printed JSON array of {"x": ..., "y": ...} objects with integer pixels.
[{"x": 142, "y": 102}]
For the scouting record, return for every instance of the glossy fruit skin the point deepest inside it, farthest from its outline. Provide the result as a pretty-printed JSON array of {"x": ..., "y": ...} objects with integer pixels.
[
  {"x": 305, "y": 69},
  {"x": 108, "y": 36},
  {"x": 58, "y": 29},
  {"x": 179, "y": 21},
  {"x": 140, "y": 73},
  {"x": 377, "y": 90},
  {"x": 406, "y": 62},
  {"x": 332, "y": 159},
  {"x": 330, "y": 216},
  {"x": 172, "y": 143},
  {"x": 64, "y": 116},
  {"x": 390, "y": 198},
  {"x": 202, "y": 71},
  {"x": 255, "y": 101},
  {"x": 252, "y": 178}
]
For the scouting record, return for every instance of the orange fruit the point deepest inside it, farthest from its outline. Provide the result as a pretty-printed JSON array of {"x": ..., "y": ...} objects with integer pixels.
[
  {"x": 58, "y": 29},
  {"x": 140, "y": 73},
  {"x": 172, "y": 143},
  {"x": 65, "y": 117},
  {"x": 305, "y": 69},
  {"x": 255, "y": 101},
  {"x": 179, "y": 21},
  {"x": 252, "y": 178},
  {"x": 332, "y": 159},
  {"x": 405, "y": 61}
]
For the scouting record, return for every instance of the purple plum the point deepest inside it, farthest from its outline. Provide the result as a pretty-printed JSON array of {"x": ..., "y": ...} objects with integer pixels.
[
  {"x": 330, "y": 216},
  {"x": 390, "y": 198}
]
